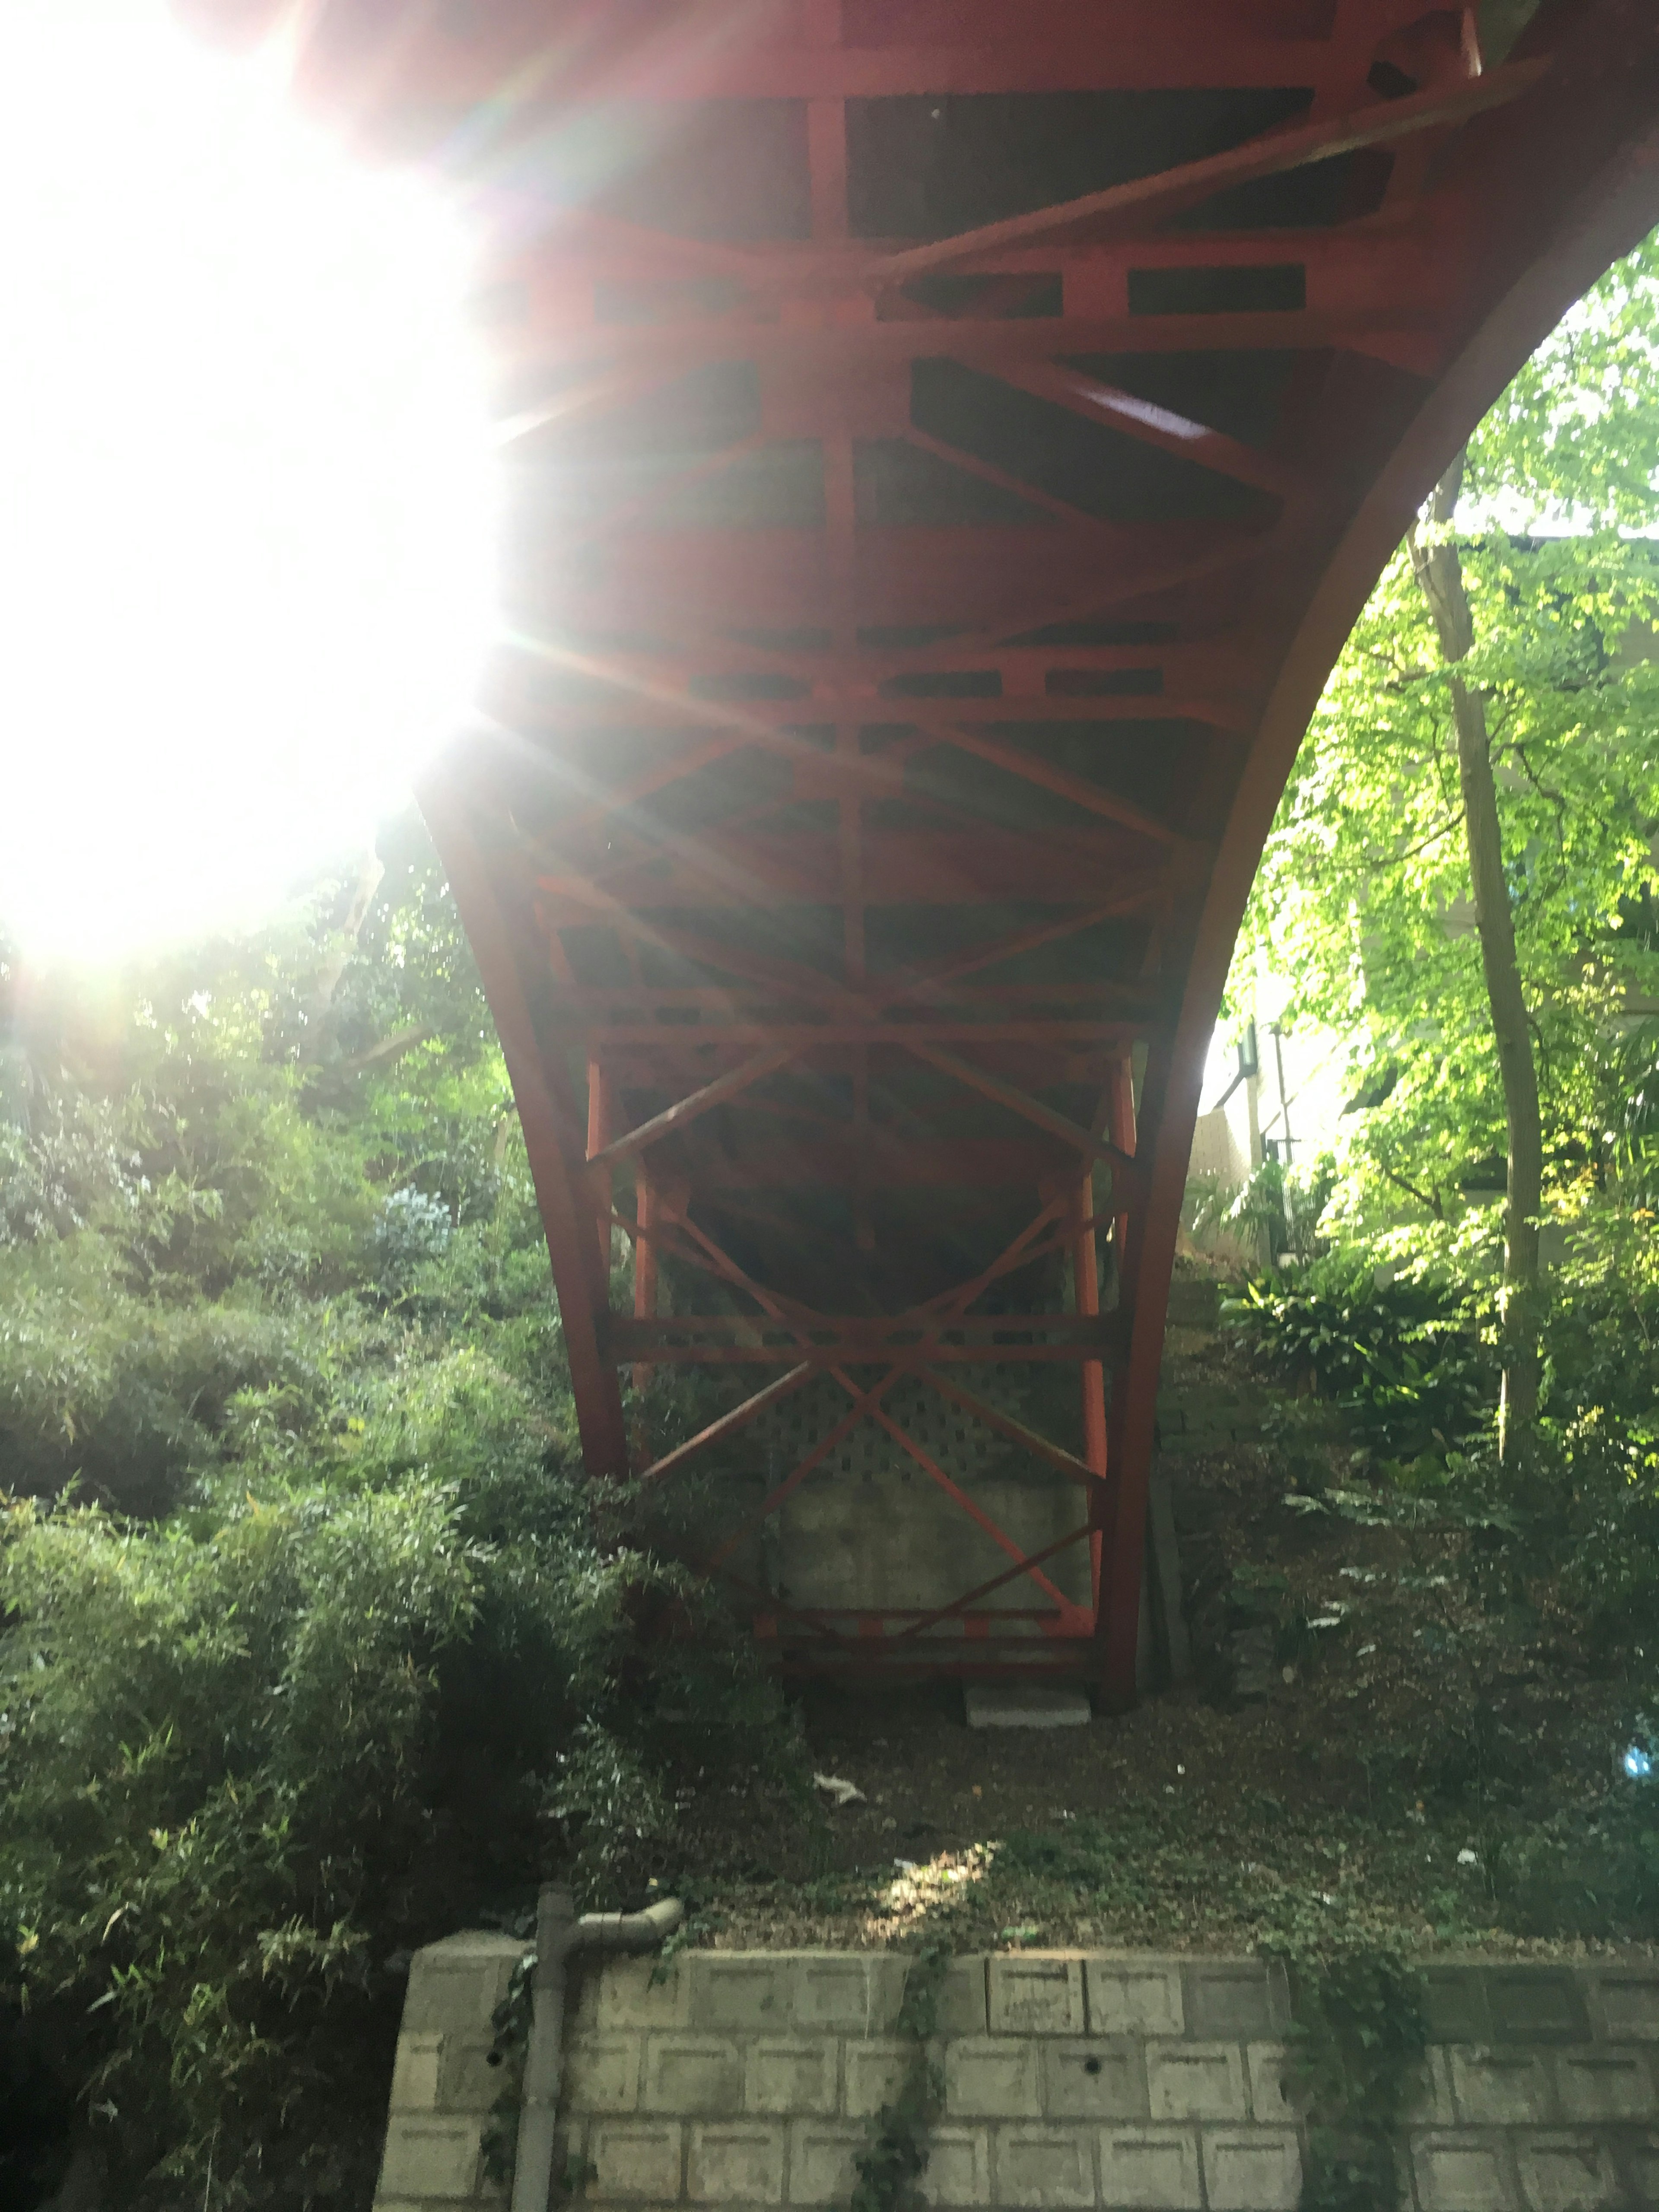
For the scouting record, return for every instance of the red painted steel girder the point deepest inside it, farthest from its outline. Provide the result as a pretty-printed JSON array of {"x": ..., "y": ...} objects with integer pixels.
[{"x": 946, "y": 447}]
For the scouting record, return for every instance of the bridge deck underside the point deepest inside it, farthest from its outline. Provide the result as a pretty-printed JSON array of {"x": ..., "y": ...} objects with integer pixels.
[{"x": 945, "y": 445}]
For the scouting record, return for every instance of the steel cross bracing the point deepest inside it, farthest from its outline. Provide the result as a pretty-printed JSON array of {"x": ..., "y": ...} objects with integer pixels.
[{"x": 947, "y": 444}]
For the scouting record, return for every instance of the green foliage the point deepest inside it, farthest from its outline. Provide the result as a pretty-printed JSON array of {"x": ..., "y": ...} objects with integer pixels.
[
  {"x": 1362, "y": 901},
  {"x": 509, "y": 2047},
  {"x": 413, "y": 1232},
  {"x": 1575, "y": 440},
  {"x": 61, "y": 1159},
  {"x": 1276, "y": 1207},
  {"x": 1358, "y": 2040},
  {"x": 891, "y": 2167},
  {"x": 1588, "y": 1872},
  {"x": 1577, "y": 1507},
  {"x": 1402, "y": 1359},
  {"x": 314, "y": 1640},
  {"x": 212, "y": 1751}
]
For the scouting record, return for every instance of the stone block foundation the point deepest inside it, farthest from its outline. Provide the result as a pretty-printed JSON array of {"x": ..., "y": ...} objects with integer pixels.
[{"x": 1072, "y": 2082}]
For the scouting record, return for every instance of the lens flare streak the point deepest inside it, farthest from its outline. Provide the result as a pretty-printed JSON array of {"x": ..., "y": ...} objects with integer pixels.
[{"x": 246, "y": 484}]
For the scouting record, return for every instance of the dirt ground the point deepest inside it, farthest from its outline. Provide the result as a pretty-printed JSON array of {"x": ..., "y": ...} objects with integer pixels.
[{"x": 1362, "y": 1719}]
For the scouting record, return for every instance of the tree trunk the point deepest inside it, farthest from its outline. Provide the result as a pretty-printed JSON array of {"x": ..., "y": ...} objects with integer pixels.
[{"x": 1439, "y": 572}]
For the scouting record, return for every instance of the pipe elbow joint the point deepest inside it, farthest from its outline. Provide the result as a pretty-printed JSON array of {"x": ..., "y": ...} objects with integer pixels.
[{"x": 628, "y": 1932}]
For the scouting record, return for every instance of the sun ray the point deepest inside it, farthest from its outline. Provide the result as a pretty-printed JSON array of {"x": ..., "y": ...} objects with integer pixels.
[{"x": 247, "y": 482}]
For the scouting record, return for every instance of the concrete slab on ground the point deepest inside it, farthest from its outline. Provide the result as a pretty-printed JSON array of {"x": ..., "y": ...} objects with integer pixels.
[{"x": 1028, "y": 1705}]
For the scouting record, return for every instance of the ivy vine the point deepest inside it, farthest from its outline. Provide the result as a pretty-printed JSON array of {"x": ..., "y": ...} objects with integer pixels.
[
  {"x": 509, "y": 2047},
  {"x": 1357, "y": 2037},
  {"x": 890, "y": 2169}
]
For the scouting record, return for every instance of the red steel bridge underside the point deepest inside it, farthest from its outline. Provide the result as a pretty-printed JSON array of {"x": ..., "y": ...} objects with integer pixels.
[{"x": 947, "y": 442}]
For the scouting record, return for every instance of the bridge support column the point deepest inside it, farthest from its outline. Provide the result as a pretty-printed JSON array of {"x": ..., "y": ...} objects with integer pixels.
[
  {"x": 1085, "y": 1298},
  {"x": 645, "y": 1260},
  {"x": 549, "y": 1115},
  {"x": 600, "y": 1120},
  {"x": 1118, "y": 1578}
]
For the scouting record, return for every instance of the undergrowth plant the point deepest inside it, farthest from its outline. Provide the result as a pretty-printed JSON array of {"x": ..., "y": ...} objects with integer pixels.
[
  {"x": 891, "y": 2167},
  {"x": 312, "y": 1639},
  {"x": 1403, "y": 1360},
  {"x": 1358, "y": 2034}
]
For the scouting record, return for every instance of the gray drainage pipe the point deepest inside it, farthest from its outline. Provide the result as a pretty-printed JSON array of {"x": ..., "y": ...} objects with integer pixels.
[{"x": 558, "y": 1934}]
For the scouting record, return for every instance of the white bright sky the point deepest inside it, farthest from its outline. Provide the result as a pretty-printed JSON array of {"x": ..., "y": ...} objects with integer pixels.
[{"x": 246, "y": 529}]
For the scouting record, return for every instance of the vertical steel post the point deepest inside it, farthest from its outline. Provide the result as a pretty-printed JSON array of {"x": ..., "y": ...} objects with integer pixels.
[
  {"x": 1085, "y": 1299},
  {"x": 1118, "y": 1585},
  {"x": 645, "y": 1259},
  {"x": 600, "y": 1123}
]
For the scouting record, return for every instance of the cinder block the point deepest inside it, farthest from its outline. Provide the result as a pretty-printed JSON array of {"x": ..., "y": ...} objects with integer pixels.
[
  {"x": 630, "y": 1996},
  {"x": 635, "y": 2158},
  {"x": 439, "y": 2203},
  {"x": 821, "y": 2161},
  {"x": 1499, "y": 2088},
  {"x": 1427, "y": 2102},
  {"x": 1252, "y": 2170},
  {"x": 1625, "y": 2004},
  {"x": 792, "y": 2077},
  {"x": 846, "y": 1993},
  {"x": 414, "y": 2073},
  {"x": 1246, "y": 1998},
  {"x": 1046, "y": 2165},
  {"x": 602, "y": 2073},
  {"x": 1135, "y": 1996},
  {"x": 467, "y": 2081},
  {"x": 1604, "y": 2083},
  {"x": 958, "y": 2169},
  {"x": 1454, "y": 2004},
  {"x": 961, "y": 2008},
  {"x": 1148, "y": 2168},
  {"x": 434, "y": 2157},
  {"x": 1460, "y": 2173},
  {"x": 1098, "y": 2080},
  {"x": 876, "y": 2072},
  {"x": 1563, "y": 2173},
  {"x": 436, "y": 2204},
  {"x": 1269, "y": 2065},
  {"x": 1036, "y": 1996},
  {"x": 1027, "y": 1705},
  {"x": 744, "y": 1989},
  {"x": 1196, "y": 2082},
  {"x": 1537, "y": 2004},
  {"x": 735, "y": 2162},
  {"x": 455, "y": 1986},
  {"x": 1641, "y": 2163},
  {"x": 583, "y": 1976},
  {"x": 692, "y": 2075},
  {"x": 992, "y": 2078}
]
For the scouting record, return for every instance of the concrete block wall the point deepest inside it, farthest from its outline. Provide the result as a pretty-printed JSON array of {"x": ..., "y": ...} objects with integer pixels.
[
  {"x": 750, "y": 2079},
  {"x": 442, "y": 2081}
]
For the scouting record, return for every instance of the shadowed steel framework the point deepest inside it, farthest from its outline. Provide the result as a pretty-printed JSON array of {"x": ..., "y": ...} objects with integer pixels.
[{"x": 947, "y": 442}]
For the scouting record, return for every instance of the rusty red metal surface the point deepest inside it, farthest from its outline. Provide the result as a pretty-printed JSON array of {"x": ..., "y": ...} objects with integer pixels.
[{"x": 947, "y": 444}]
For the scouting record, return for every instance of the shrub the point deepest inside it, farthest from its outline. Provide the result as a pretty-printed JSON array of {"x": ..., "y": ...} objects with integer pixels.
[
  {"x": 213, "y": 1759},
  {"x": 1403, "y": 1360},
  {"x": 1592, "y": 1869},
  {"x": 412, "y": 1228},
  {"x": 59, "y": 1163},
  {"x": 249, "y": 1752},
  {"x": 124, "y": 1394}
]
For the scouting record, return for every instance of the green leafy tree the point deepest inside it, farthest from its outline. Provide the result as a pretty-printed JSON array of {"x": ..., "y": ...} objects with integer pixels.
[{"x": 1462, "y": 872}]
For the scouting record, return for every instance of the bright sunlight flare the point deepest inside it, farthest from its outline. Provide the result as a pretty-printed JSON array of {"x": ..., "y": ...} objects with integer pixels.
[{"x": 245, "y": 530}]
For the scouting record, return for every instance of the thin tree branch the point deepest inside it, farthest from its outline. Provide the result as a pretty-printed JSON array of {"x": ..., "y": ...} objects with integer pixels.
[{"x": 1430, "y": 1199}]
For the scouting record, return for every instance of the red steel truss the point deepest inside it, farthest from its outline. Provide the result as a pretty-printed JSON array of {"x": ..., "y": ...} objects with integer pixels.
[{"x": 947, "y": 443}]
